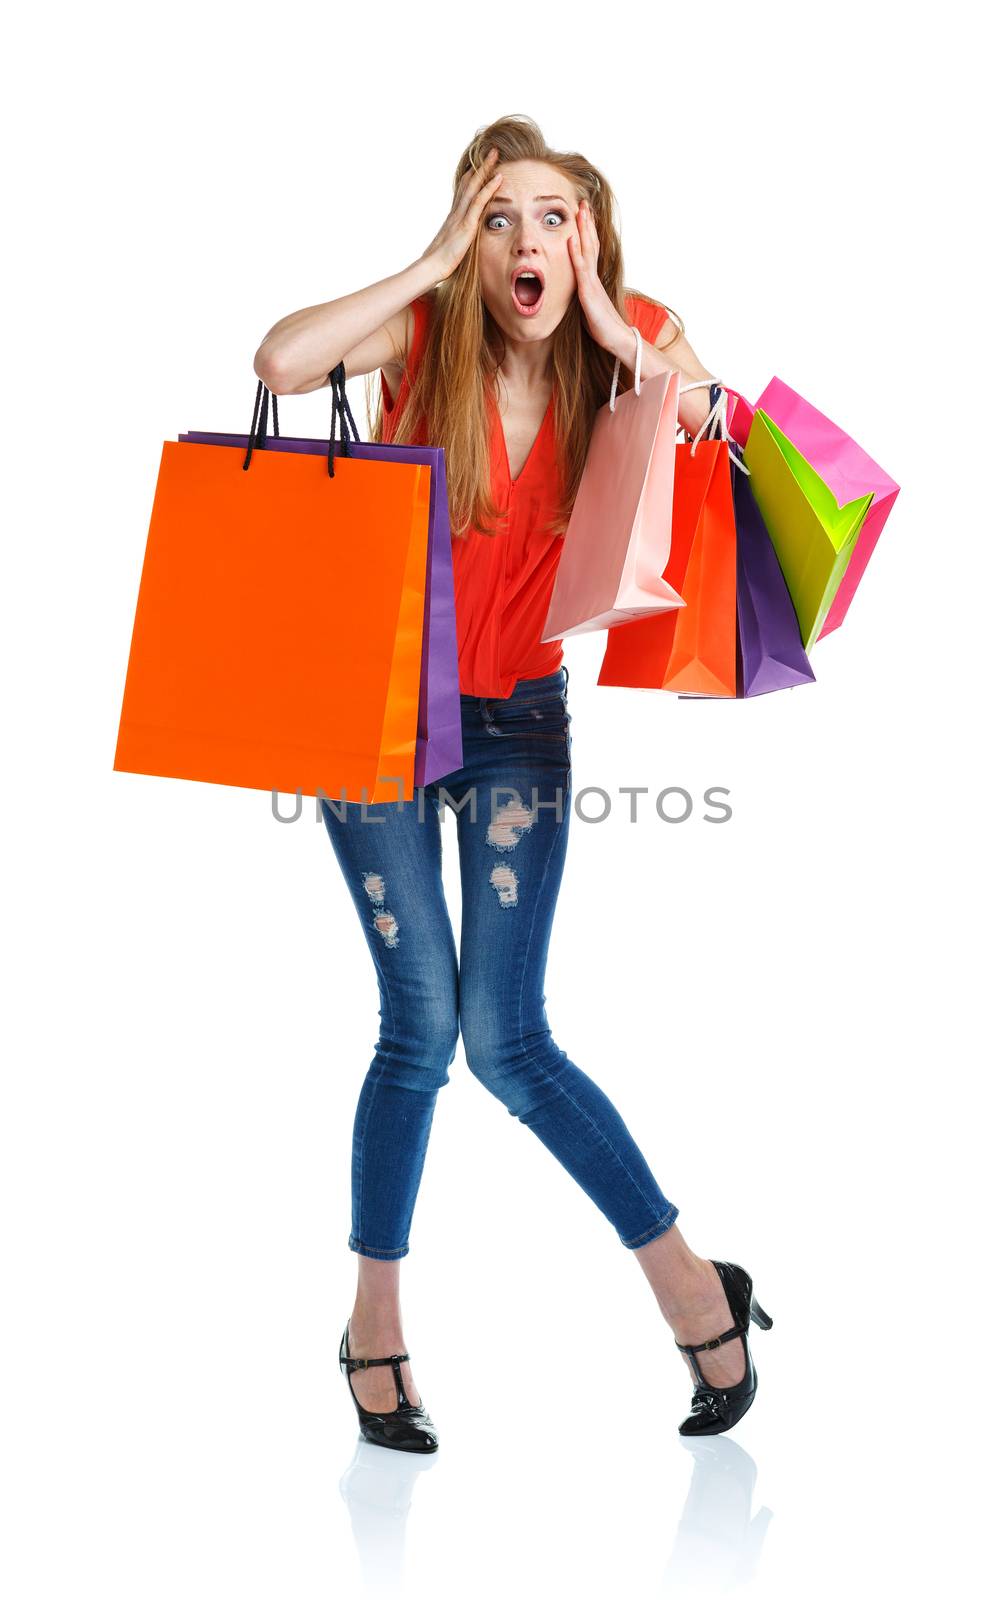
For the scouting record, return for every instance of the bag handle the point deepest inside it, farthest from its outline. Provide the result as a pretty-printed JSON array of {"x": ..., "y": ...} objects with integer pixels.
[
  {"x": 341, "y": 413},
  {"x": 636, "y": 370},
  {"x": 715, "y": 419}
]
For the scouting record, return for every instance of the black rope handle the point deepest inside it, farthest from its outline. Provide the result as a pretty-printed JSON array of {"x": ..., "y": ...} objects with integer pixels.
[
  {"x": 337, "y": 377},
  {"x": 257, "y": 428},
  {"x": 341, "y": 414}
]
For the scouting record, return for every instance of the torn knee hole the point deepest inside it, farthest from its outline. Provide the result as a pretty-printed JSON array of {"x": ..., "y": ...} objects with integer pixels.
[
  {"x": 506, "y": 885},
  {"x": 386, "y": 924},
  {"x": 512, "y": 820}
]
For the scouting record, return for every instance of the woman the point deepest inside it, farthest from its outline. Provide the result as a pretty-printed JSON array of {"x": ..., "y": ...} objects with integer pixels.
[{"x": 508, "y": 377}]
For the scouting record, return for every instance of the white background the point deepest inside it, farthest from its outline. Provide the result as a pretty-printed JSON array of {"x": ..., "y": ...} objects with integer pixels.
[{"x": 790, "y": 1011}]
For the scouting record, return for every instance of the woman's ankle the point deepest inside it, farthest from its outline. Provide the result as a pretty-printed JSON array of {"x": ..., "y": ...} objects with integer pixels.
[
  {"x": 682, "y": 1281},
  {"x": 695, "y": 1290},
  {"x": 378, "y": 1327},
  {"x": 375, "y": 1319}
]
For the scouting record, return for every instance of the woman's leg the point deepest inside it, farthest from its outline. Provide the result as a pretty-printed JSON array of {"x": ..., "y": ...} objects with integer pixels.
[
  {"x": 391, "y": 859},
  {"x": 511, "y": 864},
  {"x": 512, "y": 860}
]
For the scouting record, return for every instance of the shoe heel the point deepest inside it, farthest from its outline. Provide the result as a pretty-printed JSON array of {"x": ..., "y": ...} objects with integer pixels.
[{"x": 758, "y": 1315}]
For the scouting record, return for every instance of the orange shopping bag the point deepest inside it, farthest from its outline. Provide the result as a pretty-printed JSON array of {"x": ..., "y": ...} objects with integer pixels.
[
  {"x": 277, "y": 639},
  {"x": 692, "y": 650}
]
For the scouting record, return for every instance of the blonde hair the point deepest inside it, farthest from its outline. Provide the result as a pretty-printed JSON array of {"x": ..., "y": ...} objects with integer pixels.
[{"x": 464, "y": 349}]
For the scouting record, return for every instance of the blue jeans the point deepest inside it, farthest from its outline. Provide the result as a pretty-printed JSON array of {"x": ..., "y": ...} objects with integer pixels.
[{"x": 512, "y": 799}]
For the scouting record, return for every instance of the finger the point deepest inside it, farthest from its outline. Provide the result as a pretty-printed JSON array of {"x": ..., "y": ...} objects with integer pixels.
[
  {"x": 479, "y": 201},
  {"x": 485, "y": 171},
  {"x": 475, "y": 199},
  {"x": 471, "y": 181},
  {"x": 487, "y": 166},
  {"x": 591, "y": 234}
]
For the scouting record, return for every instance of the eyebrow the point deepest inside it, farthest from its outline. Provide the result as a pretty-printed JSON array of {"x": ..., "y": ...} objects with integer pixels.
[{"x": 506, "y": 199}]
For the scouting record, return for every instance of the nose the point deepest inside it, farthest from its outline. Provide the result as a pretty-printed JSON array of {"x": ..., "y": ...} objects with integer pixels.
[
  {"x": 529, "y": 230},
  {"x": 525, "y": 251}
]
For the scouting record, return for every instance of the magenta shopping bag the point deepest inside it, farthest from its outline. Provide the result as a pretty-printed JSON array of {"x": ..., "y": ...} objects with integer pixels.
[
  {"x": 848, "y": 471},
  {"x": 439, "y": 739}
]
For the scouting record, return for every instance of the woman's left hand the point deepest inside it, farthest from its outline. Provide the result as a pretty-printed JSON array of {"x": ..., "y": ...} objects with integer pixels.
[{"x": 605, "y": 324}]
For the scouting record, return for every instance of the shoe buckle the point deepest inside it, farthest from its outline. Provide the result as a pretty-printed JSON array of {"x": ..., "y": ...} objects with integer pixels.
[{"x": 713, "y": 1344}]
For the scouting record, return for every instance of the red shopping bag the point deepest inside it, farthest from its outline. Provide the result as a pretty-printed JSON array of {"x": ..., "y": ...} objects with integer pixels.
[{"x": 692, "y": 650}]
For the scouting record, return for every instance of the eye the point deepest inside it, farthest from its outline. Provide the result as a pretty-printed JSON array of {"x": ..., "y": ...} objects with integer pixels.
[{"x": 497, "y": 216}]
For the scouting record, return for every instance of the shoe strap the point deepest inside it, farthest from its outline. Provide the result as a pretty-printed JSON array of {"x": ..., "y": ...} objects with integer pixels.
[
  {"x": 357, "y": 1363},
  {"x": 713, "y": 1344}
]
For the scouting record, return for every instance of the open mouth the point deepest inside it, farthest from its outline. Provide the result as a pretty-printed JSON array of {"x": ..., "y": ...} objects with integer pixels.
[{"x": 527, "y": 292}]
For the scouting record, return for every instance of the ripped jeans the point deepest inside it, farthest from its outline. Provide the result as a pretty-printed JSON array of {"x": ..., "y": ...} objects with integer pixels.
[{"x": 512, "y": 799}]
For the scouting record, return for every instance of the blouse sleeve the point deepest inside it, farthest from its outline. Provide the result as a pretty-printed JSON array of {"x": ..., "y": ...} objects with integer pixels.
[{"x": 644, "y": 315}]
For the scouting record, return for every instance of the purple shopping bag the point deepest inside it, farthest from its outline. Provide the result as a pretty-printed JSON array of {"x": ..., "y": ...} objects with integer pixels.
[
  {"x": 770, "y": 653},
  {"x": 439, "y": 738}
]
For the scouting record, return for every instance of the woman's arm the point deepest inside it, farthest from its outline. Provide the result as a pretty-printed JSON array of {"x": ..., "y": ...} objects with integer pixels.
[
  {"x": 365, "y": 329},
  {"x": 614, "y": 334},
  {"x": 693, "y": 408}
]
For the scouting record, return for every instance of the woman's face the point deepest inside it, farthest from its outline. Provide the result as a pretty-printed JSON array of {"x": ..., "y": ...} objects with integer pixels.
[{"x": 525, "y": 226}]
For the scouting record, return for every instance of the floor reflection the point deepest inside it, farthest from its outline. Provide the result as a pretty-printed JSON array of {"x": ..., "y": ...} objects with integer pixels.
[
  {"x": 717, "y": 1545},
  {"x": 717, "y": 1542},
  {"x": 377, "y": 1487}
]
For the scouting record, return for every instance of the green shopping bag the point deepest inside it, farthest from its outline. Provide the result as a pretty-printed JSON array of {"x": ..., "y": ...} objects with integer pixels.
[{"x": 813, "y": 536}]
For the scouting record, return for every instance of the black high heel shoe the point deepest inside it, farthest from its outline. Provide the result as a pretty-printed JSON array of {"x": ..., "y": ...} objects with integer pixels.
[
  {"x": 715, "y": 1410},
  {"x": 406, "y": 1428}
]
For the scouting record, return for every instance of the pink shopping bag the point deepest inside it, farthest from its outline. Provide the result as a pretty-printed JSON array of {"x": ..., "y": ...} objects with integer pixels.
[{"x": 618, "y": 540}]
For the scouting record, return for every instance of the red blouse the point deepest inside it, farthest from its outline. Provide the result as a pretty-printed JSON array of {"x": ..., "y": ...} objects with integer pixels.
[{"x": 503, "y": 582}]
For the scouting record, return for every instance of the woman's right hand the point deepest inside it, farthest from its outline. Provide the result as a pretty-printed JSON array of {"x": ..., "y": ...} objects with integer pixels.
[{"x": 456, "y": 235}]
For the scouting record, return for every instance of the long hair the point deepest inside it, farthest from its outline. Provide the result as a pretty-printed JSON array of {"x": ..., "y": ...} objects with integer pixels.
[{"x": 464, "y": 350}]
